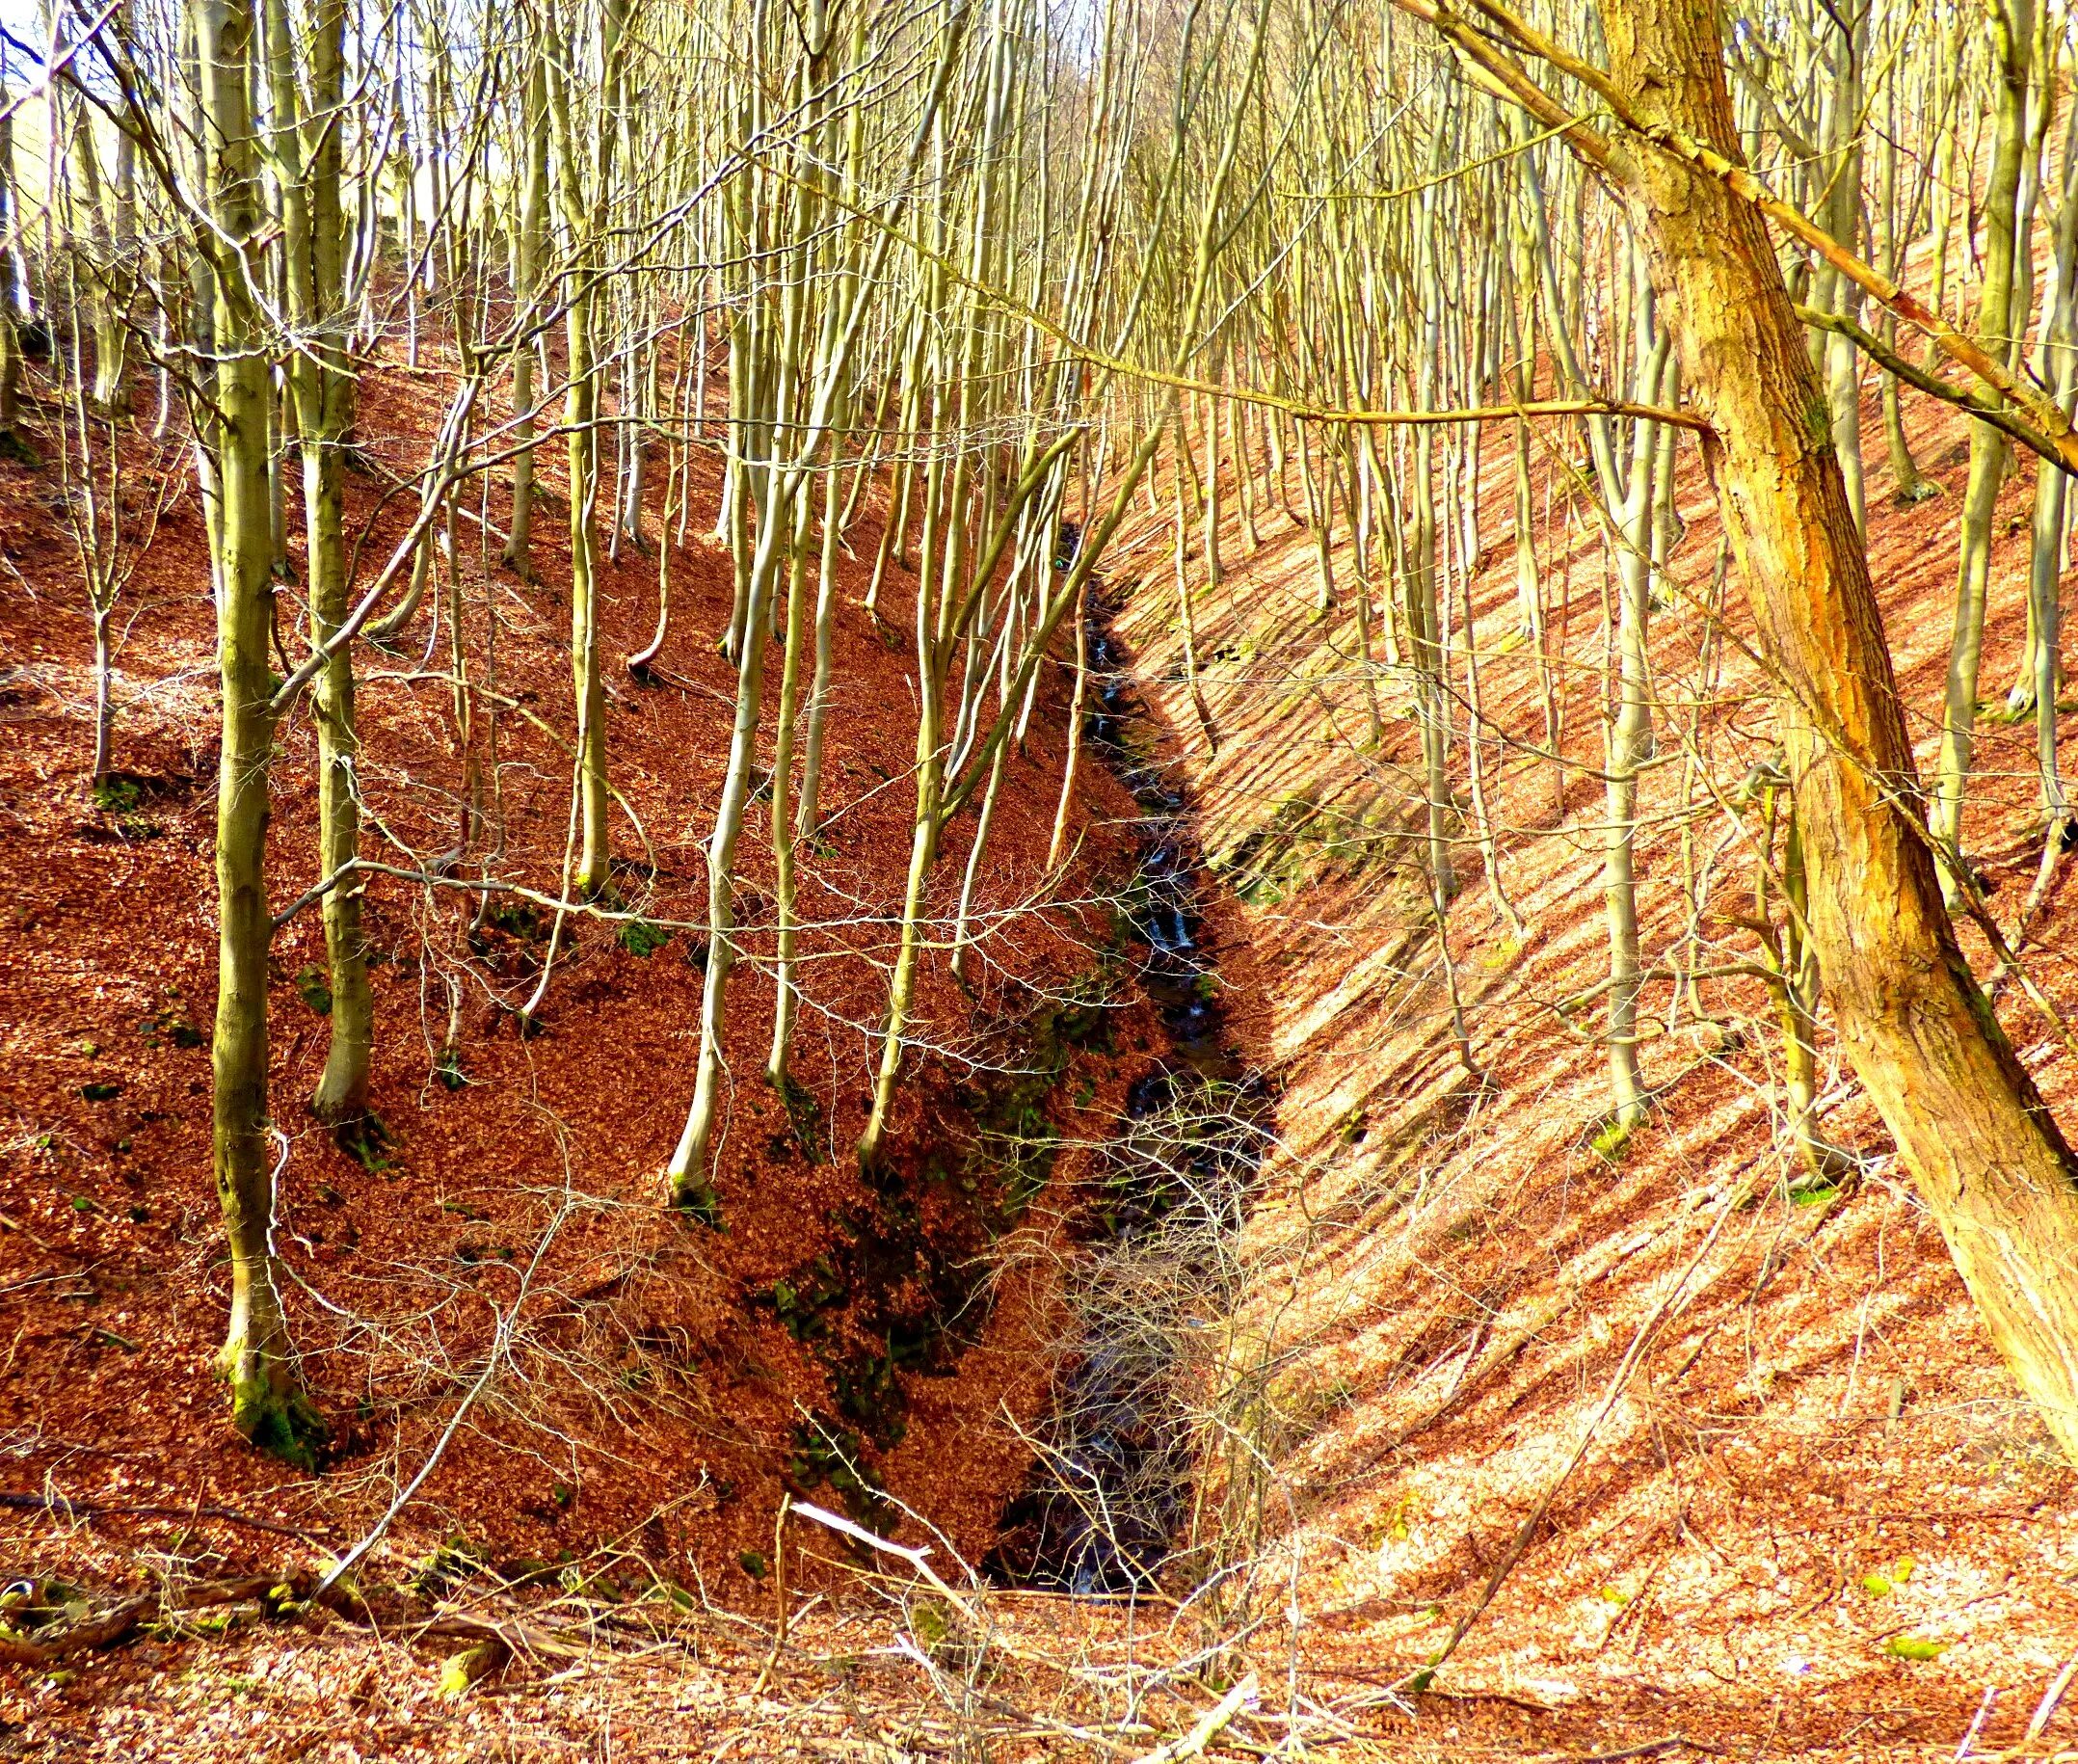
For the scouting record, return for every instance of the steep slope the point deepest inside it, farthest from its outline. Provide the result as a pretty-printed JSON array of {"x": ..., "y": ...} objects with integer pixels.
[
  {"x": 1744, "y": 1445},
  {"x": 492, "y": 1263}
]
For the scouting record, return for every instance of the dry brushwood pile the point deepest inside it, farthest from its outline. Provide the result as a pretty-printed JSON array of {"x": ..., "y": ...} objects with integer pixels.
[{"x": 1140, "y": 880}]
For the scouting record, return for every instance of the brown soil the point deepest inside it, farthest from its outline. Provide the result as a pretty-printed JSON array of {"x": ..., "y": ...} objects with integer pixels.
[
  {"x": 657, "y": 1387},
  {"x": 1444, "y": 1273},
  {"x": 1818, "y": 1455}
]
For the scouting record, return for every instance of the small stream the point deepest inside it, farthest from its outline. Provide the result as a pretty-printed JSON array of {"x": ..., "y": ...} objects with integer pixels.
[{"x": 1106, "y": 1500}]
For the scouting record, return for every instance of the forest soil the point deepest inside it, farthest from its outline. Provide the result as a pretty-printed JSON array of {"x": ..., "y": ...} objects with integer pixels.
[
  {"x": 662, "y": 1382},
  {"x": 1820, "y": 1522}
]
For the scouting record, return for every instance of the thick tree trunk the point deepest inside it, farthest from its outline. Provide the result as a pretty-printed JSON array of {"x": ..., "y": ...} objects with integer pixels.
[{"x": 1987, "y": 1159}]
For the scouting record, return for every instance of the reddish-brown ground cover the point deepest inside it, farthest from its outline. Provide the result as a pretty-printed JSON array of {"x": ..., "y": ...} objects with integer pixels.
[
  {"x": 650, "y": 1394},
  {"x": 1818, "y": 1455},
  {"x": 1445, "y": 1274}
]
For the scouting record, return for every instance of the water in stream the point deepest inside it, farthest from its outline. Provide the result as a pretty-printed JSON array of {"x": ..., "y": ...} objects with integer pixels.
[{"x": 1108, "y": 1495}]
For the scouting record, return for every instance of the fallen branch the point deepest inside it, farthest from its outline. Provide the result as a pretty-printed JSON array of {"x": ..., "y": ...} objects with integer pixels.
[
  {"x": 1207, "y": 1727},
  {"x": 918, "y": 1559},
  {"x": 510, "y": 1633},
  {"x": 99, "y": 1628}
]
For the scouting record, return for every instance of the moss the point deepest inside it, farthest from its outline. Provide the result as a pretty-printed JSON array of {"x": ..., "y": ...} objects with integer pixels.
[
  {"x": 173, "y": 1027},
  {"x": 697, "y": 1199},
  {"x": 800, "y": 1300},
  {"x": 1611, "y": 1141},
  {"x": 517, "y": 918},
  {"x": 1817, "y": 420},
  {"x": 117, "y": 794},
  {"x": 640, "y": 938},
  {"x": 471, "y": 1664},
  {"x": 899, "y": 1294},
  {"x": 827, "y": 1453},
  {"x": 314, "y": 986},
  {"x": 368, "y": 1141},
  {"x": 1016, "y": 1141},
  {"x": 870, "y": 1392},
  {"x": 458, "y": 1558},
  {"x": 1914, "y": 1648},
  {"x": 804, "y": 1114},
  {"x": 282, "y": 1422},
  {"x": 1307, "y": 837}
]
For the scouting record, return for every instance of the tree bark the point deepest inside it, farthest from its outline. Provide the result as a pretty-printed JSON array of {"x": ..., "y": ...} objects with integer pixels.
[
  {"x": 1988, "y": 446},
  {"x": 1985, "y": 1153},
  {"x": 528, "y": 240},
  {"x": 308, "y": 160},
  {"x": 267, "y": 1405}
]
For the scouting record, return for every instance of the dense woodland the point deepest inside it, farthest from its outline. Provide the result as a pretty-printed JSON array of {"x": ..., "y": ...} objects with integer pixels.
[{"x": 866, "y": 690}]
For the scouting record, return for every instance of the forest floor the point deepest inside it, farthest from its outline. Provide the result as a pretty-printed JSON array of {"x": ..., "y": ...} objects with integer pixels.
[
  {"x": 1819, "y": 1458},
  {"x": 1816, "y": 1517},
  {"x": 659, "y": 1381}
]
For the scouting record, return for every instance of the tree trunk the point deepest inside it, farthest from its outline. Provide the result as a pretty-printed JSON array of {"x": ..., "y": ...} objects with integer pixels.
[
  {"x": 1988, "y": 446},
  {"x": 267, "y": 1405},
  {"x": 528, "y": 238},
  {"x": 1988, "y": 1161},
  {"x": 307, "y": 159},
  {"x": 10, "y": 291},
  {"x": 583, "y": 219}
]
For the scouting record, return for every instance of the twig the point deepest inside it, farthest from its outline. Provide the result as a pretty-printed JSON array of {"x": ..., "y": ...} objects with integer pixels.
[
  {"x": 65, "y": 1504},
  {"x": 778, "y": 1592},
  {"x": 2045, "y": 1710},
  {"x": 1976, "y": 1724},
  {"x": 915, "y": 1557},
  {"x": 501, "y": 1344},
  {"x": 1519, "y": 1544}
]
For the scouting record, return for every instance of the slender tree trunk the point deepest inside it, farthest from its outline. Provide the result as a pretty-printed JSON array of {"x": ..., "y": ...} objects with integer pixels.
[
  {"x": 268, "y": 1406},
  {"x": 9, "y": 289},
  {"x": 1073, "y": 763},
  {"x": 581, "y": 415},
  {"x": 785, "y": 831},
  {"x": 1908, "y": 484},
  {"x": 2011, "y": 33},
  {"x": 528, "y": 238},
  {"x": 307, "y": 158}
]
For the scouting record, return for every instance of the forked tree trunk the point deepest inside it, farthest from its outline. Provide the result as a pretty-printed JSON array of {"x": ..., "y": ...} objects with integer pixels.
[{"x": 1984, "y": 1151}]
